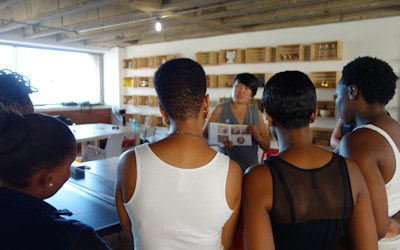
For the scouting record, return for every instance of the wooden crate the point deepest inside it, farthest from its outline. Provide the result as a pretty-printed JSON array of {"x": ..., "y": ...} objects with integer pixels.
[
  {"x": 290, "y": 53},
  {"x": 212, "y": 81},
  {"x": 321, "y": 136},
  {"x": 142, "y": 62},
  {"x": 207, "y": 58},
  {"x": 236, "y": 54},
  {"x": 140, "y": 119},
  {"x": 127, "y": 82},
  {"x": 332, "y": 50},
  {"x": 127, "y": 99},
  {"x": 325, "y": 79},
  {"x": 160, "y": 59},
  {"x": 153, "y": 101},
  {"x": 151, "y": 62},
  {"x": 145, "y": 81},
  {"x": 326, "y": 105},
  {"x": 127, "y": 63},
  {"x": 135, "y": 100},
  {"x": 143, "y": 100},
  {"x": 225, "y": 81},
  {"x": 258, "y": 55}
]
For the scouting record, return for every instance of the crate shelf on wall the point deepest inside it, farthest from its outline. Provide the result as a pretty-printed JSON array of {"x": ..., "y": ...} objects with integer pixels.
[
  {"x": 326, "y": 109},
  {"x": 258, "y": 55},
  {"x": 231, "y": 56},
  {"x": 290, "y": 53},
  {"x": 226, "y": 81},
  {"x": 207, "y": 58},
  {"x": 332, "y": 50},
  {"x": 325, "y": 79}
]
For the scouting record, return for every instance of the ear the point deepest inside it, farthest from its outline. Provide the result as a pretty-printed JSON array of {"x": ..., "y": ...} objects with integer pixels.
[
  {"x": 206, "y": 102},
  {"x": 314, "y": 115},
  {"x": 352, "y": 92},
  {"x": 271, "y": 120},
  {"x": 162, "y": 111},
  {"x": 48, "y": 180}
]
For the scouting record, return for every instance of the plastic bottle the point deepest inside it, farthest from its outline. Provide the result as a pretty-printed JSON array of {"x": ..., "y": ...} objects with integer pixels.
[{"x": 134, "y": 124}]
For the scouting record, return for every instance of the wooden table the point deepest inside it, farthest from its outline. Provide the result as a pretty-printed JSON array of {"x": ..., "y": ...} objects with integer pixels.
[
  {"x": 94, "y": 132},
  {"x": 91, "y": 196}
]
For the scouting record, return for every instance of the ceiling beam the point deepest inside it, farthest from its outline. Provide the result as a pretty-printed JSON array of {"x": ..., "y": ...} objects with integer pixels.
[
  {"x": 49, "y": 15},
  {"x": 8, "y": 3}
]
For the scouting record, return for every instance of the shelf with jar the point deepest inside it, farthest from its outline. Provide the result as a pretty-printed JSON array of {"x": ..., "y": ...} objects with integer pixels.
[
  {"x": 326, "y": 109},
  {"x": 231, "y": 56},
  {"x": 290, "y": 53},
  {"x": 331, "y": 50},
  {"x": 138, "y": 81},
  {"x": 325, "y": 79}
]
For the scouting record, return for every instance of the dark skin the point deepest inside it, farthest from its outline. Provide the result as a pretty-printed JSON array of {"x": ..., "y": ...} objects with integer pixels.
[
  {"x": 294, "y": 147},
  {"x": 370, "y": 150}
]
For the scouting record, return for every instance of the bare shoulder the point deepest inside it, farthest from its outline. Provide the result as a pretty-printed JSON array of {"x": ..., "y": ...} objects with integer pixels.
[
  {"x": 257, "y": 173},
  {"x": 358, "y": 144},
  {"x": 235, "y": 172}
]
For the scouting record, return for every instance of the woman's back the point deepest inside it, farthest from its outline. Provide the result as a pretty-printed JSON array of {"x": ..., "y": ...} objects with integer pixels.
[
  {"x": 188, "y": 207},
  {"x": 311, "y": 207}
]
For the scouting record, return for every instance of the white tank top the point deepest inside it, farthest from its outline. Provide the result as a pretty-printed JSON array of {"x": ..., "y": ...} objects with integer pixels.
[
  {"x": 393, "y": 186},
  {"x": 175, "y": 208}
]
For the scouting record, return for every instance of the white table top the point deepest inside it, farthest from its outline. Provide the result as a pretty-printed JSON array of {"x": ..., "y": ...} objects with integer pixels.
[{"x": 97, "y": 131}]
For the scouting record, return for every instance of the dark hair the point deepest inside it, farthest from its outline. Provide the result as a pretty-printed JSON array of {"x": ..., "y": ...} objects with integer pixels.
[
  {"x": 30, "y": 143},
  {"x": 15, "y": 88},
  {"x": 373, "y": 77},
  {"x": 181, "y": 86},
  {"x": 289, "y": 97},
  {"x": 249, "y": 80}
]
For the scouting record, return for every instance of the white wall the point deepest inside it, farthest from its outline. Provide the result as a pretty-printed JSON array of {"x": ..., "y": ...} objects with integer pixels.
[{"x": 376, "y": 37}]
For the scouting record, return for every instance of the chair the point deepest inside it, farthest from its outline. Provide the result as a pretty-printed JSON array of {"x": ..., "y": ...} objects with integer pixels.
[
  {"x": 113, "y": 148},
  {"x": 148, "y": 135},
  {"x": 269, "y": 152}
]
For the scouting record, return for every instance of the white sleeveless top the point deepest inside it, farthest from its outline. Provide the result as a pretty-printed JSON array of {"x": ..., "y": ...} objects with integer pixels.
[
  {"x": 393, "y": 186},
  {"x": 175, "y": 208}
]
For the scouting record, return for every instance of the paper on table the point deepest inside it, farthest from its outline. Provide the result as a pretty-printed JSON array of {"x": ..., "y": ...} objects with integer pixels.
[{"x": 220, "y": 132}]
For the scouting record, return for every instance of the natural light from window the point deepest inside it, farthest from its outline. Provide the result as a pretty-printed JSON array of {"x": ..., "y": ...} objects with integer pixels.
[{"x": 59, "y": 76}]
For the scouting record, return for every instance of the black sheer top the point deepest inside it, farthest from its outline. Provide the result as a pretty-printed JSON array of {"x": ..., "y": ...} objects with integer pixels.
[{"x": 311, "y": 207}]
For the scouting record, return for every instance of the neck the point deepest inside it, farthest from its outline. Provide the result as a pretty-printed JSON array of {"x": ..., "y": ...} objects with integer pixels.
[
  {"x": 371, "y": 114},
  {"x": 238, "y": 105},
  {"x": 192, "y": 126},
  {"x": 298, "y": 138}
]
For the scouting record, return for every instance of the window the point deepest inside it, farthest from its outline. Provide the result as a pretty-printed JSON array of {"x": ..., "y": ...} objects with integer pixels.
[
  {"x": 59, "y": 76},
  {"x": 7, "y": 57}
]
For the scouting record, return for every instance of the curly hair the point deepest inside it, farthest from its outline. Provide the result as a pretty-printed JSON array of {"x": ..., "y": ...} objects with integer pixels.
[
  {"x": 181, "y": 86},
  {"x": 373, "y": 77},
  {"x": 289, "y": 97},
  {"x": 14, "y": 90}
]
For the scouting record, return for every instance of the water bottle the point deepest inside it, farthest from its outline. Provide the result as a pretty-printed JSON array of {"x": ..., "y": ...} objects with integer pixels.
[{"x": 134, "y": 124}]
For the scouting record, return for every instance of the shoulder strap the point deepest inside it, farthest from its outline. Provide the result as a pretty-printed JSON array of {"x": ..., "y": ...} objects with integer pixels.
[{"x": 276, "y": 173}]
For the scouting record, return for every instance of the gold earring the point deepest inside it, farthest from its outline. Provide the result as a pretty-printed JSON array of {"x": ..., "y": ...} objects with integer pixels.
[
  {"x": 207, "y": 115},
  {"x": 165, "y": 121}
]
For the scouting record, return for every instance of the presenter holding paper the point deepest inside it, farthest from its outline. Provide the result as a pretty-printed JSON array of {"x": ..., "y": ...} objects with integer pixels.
[{"x": 238, "y": 111}]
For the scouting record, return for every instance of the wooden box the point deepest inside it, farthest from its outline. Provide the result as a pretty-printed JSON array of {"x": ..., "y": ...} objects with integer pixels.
[
  {"x": 142, "y": 62},
  {"x": 332, "y": 50},
  {"x": 212, "y": 81},
  {"x": 153, "y": 101},
  {"x": 127, "y": 100},
  {"x": 151, "y": 62},
  {"x": 326, "y": 109},
  {"x": 207, "y": 58},
  {"x": 290, "y": 53},
  {"x": 260, "y": 78},
  {"x": 127, "y": 64},
  {"x": 140, "y": 119},
  {"x": 258, "y": 55},
  {"x": 225, "y": 81},
  {"x": 160, "y": 59},
  {"x": 143, "y": 100},
  {"x": 325, "y": 79},
  {"x": 145, "y": 81},
  {"x": 128, "y": 82},
  {"x": 321, "y": 136},
  {"x": 135, "y": 100},
  {"x": 231, "y": 56}
]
